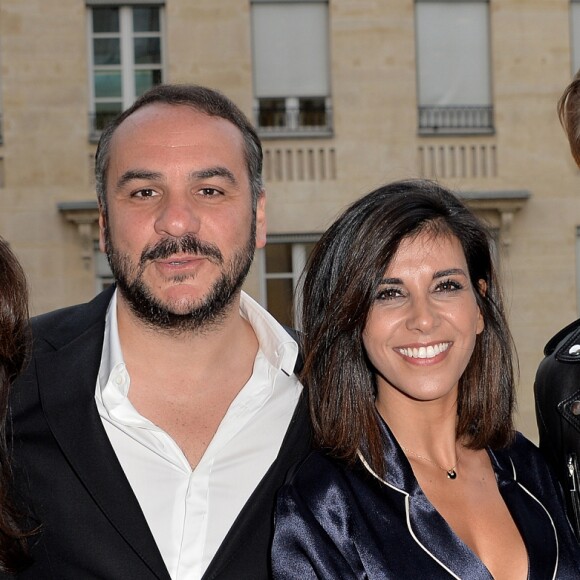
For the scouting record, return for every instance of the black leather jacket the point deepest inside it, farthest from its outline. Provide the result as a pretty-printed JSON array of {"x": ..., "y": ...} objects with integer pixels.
[{"x": 557, "y": 391}]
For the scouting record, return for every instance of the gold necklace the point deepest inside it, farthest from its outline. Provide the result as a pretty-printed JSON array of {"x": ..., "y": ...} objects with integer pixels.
[{"x": 451, "y": 472}]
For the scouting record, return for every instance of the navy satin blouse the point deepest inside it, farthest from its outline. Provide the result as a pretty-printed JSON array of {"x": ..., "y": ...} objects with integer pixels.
[{"x": 339, "y": 523}]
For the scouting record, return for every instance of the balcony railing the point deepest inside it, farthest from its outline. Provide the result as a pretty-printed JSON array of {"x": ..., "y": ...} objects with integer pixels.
[
  {"x": 276, "y": 119},
  {"x": 455, "y": 119}
]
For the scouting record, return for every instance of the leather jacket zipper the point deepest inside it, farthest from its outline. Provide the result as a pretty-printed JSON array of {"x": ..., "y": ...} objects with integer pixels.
[{"x": 574, "y": 490}]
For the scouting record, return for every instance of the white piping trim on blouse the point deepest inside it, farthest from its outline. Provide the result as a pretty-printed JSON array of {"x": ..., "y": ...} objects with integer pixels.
[
  {"x": 547, "y": 513},
  {"x": 372, "y": 472},
  {"x": 408, "y": 515}
]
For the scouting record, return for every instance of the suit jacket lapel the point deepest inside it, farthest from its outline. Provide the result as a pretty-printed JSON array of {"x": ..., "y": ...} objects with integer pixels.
[{"x": 67, "y": 381}]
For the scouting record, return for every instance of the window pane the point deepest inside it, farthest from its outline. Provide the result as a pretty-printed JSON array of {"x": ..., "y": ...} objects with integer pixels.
[
  {"x": 105, "y": 20},
  {"x": 146, "y": 19},
  {"x": 272, "y": 113},
  {"x": 105, "y": 113},
  {"x": 280, "y": 300},
  {"x": 145, "y": 79},
  {"x": 278, "y": 258},
  {"x": 147, "y": 50},
  {"x": 308, "y": 249},
  {"x": 106, "y": 51},
  {"x": 107, "y": 84},
  {"x": 312, "y": 113}
]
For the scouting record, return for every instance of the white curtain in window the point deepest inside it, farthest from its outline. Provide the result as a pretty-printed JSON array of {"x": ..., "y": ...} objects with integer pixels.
[
  {"x": 453, "y": 53},
  {"x": 575, "y": 33},
  {"x": 290, "y": 49}
]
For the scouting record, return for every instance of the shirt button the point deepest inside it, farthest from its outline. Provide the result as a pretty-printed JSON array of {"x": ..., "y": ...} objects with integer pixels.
[
  {"x": 575, "y": 350},
  {"x": 575, "y": 407}
]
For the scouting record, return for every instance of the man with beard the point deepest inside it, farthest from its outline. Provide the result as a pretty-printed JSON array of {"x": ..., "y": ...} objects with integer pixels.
[{"x": 154, "y": 424}]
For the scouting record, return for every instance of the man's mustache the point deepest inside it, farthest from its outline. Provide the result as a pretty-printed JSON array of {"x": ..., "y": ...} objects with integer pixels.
[{"x": 187, "y": 244}]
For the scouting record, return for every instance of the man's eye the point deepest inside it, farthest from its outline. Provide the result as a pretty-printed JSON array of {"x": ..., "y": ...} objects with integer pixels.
[
  {"x": 210, "y": 191},
  {"x": 145, "y": 193}
]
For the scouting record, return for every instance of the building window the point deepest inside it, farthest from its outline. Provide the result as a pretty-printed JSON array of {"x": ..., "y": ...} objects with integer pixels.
[
  {"x": 103, "y": 275},
  {"x": 575, "y": 34},
  {"x": 126, "y": 53},
  {"x": 281, "y": 264},
  {"x": 291, "y": 68},
  {"x": 453, "y": 67}
]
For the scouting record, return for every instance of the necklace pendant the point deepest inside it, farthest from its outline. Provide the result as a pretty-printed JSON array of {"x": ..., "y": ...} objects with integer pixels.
[{"x": 451, "y": 474}]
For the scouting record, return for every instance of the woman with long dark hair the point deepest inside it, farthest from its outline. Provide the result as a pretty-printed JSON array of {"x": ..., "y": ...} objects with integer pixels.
[
  {"x": 409, "y": 371},
  {"x": 14, "y": 345}
]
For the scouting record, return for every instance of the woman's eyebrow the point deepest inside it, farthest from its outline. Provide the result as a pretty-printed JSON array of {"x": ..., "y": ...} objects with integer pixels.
[
  {"x": 449, "y": 272},
  {"x": 438, "y": 274}
]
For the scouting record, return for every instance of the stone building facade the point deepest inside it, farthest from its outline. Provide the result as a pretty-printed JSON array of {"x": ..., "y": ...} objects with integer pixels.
[{"x": 347, "y": 95}]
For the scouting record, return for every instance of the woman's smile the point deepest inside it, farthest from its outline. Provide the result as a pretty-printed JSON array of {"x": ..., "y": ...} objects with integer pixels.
[{"x": 429, "y": 352}]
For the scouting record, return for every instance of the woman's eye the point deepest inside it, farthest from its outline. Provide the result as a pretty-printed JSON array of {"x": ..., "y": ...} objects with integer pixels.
[
  {"x": 448, "y": 286},
  {"x": 389, "y": 293}
]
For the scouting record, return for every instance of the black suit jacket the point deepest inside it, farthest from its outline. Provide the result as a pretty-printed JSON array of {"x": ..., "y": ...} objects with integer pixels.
[{"x": 70, "y": 480}]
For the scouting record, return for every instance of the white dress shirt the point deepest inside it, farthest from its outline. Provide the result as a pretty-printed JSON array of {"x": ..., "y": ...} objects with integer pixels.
[{"x": 190, "y": 511}]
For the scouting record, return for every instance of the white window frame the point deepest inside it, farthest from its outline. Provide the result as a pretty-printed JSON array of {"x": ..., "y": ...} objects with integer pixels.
[
  {"x": 127, "y": 65},
  {"x": 299, "y": 258}
]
